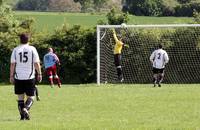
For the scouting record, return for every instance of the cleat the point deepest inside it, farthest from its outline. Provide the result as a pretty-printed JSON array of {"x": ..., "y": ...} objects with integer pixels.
[
  {"x": 59, "y": 85},
  {"x": 22, "y": 118},
  {"x": 38, "y": 98},
  {"x": 154, "y": 85},
  {"x": 52, "y": 85},
  {"x": 122, "y": 80},
  {"x": 159, "y": 85},
  {"x": 26, "y": 114}
]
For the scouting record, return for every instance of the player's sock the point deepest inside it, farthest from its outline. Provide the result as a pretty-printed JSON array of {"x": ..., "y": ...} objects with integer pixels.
[
  {"x": 58, "y": 81},
  {"x": 154, "y": 81},
  {"x": 21, "y": 106},
  {"x": 29, "y": 103},
  {"x": 160, "y": 80},
  {"x": 119, "y": 72},
  {"x": 26, "y": 114},
  {"x": 51, "y": 80}
]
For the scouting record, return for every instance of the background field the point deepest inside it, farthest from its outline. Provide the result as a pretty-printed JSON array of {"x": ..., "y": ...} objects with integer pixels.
[
  {"x": 106, "y": 107},
  {"x": 49, "y": 21}
]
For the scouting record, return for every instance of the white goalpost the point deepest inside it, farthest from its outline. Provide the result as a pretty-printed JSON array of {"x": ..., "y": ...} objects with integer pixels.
[{"x": 181, "y": 41}]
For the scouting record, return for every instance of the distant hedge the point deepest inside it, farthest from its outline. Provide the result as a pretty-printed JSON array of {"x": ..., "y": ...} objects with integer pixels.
[
  {"x": 161, "y": 7},
  {"x": 76, "y": 48}
]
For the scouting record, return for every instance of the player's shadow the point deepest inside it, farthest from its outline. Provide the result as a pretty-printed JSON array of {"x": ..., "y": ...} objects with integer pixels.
[{"x": 8, "y": 120}]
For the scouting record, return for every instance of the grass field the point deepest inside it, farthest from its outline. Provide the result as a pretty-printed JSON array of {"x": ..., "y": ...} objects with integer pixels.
[
  {"x": 49, "y": 21},
  {"x": 10, "y": 2},
  {"x": 106, "y": 107}
]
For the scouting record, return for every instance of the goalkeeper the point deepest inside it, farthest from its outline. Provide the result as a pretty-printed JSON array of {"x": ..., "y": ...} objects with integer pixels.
[
  {"x": 158, "y": 59},
  {"x": 117, "y": 55}
]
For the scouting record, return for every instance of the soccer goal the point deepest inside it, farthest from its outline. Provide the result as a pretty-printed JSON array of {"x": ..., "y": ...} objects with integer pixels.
[{"x": 181, "y": 41}]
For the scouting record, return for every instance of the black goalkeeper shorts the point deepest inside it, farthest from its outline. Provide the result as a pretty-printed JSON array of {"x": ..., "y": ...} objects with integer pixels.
[{"x": 25, "y": 86}]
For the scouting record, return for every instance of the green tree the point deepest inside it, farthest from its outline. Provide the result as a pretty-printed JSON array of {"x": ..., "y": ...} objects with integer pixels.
[
  {"x": 7, "y": 20},
  {"x": 9, "y": 30},
  {"x": 85, "y": 4},
  {"x": 145, "y": 7},
  {"x": 196, "y": 16},
  {"x": 64, "y": 5},
  {"x": 92, "y": 4},
  {"x": 41, "y": 5},
  {"x": 99, "y": 4},
  {"x": 115, "y": 18},
  {"x": 184, "y": 1},
  {"x": 76, "y": 48}
]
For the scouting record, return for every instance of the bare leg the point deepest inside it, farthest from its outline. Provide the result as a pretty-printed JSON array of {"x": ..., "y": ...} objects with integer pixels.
[
  {"x": 37, "y": 93},
  {"x": 155, "y": 78},
  {"x": 161, "y": 76}
]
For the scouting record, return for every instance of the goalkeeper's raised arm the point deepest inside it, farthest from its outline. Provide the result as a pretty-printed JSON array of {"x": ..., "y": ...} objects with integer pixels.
[{"x": 118, "y": 43}]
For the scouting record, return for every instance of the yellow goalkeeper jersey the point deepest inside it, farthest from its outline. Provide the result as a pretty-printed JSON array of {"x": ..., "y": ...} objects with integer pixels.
[{"x": 118, "y": 45}]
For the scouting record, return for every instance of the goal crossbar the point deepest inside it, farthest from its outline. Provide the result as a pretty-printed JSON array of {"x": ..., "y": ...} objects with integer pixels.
[{"x": 149, "y": 26}]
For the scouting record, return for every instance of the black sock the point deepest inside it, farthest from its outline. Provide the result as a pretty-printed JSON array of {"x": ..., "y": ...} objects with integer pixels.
[
  {"x": 119, "y": 72},
  {"x": 21, "y": 105},
  {"x": 36, "y": 91},
  {"x": 154, "y": 79},
  {"x": 28, "y": 103}
]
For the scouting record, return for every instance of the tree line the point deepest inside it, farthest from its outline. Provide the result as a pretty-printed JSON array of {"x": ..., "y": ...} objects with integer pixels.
[
  {"x": 67, "y": 5},
  {"x": 162, "y": 7},
  {"x": 134, "y": 7}
]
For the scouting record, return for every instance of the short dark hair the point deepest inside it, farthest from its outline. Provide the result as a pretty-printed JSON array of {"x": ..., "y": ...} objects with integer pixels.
[
  {"x": 24, "y": 38},
  {"x": 160, "y": 46}
]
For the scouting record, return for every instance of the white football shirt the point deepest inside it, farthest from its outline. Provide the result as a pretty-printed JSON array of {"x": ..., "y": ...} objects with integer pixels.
[
  {"x": 24, "y": 56},
  {"x": 159, "y": 58}
]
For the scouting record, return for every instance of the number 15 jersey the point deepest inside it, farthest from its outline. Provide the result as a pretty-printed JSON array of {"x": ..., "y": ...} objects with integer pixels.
[{"x": 24, "y": 56}]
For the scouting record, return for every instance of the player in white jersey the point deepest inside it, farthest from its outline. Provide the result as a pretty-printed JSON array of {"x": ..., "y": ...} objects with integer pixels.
[
  {"x": 159, "y": 58},
  {"x": 24, "y": 62}
]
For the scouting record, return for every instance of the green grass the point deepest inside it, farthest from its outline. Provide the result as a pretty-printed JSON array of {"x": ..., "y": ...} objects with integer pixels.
[
  {"x": 49, "y": 21},
  {"x": 11, "y": 2},
  {"x": 106, "y": 107}
]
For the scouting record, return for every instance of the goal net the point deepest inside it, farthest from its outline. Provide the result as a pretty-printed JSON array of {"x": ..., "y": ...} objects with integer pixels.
[{"x": 182, "y": 43}]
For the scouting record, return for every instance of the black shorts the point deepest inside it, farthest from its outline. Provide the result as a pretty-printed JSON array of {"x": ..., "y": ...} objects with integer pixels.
[
  {"x": 157, "y": 71},
  {"x": 25, "y": 86},
  {"x": 117, "y": 59}
]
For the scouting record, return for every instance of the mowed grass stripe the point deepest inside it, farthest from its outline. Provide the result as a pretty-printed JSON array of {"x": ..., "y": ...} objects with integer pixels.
[
  {"x": 49, "y": 21},
  {"x": 112, "y": 107}
]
